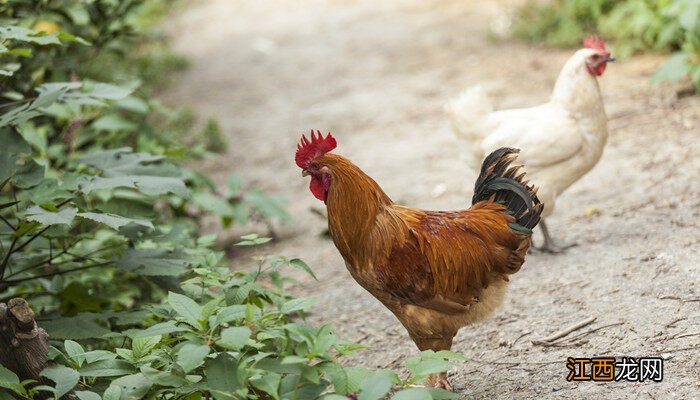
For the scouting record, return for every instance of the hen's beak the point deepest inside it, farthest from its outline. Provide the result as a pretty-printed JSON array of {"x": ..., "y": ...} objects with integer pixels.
[
  {"x": 610, "y": 58},
  {"x": 304, "y": 173}
]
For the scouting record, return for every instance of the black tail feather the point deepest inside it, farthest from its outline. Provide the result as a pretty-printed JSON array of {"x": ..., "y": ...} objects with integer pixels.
[{"x": 501, "y": 183}]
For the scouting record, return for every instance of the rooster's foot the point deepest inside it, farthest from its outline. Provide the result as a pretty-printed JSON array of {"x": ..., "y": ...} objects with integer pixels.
[{"x": 438, "y": 381}]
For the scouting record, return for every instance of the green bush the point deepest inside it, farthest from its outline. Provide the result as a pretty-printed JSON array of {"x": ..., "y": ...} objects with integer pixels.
[
  {"x": 99, "y": 231},
  {"x": 228, "y": 336},
  {"x": 635, "y": 25}
]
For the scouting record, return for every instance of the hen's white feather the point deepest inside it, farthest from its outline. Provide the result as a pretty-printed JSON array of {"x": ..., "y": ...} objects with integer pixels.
[{"x": 560, "y": 141}]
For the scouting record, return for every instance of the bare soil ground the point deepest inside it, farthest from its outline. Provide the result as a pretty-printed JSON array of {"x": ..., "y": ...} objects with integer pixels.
[{"x": 377, "y": 74}]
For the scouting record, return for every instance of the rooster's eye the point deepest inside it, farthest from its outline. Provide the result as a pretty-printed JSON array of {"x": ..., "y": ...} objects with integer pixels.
[{"x": 314, "y": 166}]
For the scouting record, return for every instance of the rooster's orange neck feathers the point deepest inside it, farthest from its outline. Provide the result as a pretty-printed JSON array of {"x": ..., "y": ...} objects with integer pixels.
[{"x": 354, "y": 201}]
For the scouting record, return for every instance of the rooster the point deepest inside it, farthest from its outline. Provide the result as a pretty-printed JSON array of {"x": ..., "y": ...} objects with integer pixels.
[
  {"x": 560, "y": 140},
  {"x": 437, "y": 271}
]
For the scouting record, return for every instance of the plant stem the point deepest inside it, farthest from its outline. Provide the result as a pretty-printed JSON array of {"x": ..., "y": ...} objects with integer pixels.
[
  {"x": 12, "y": 103},
  {"x": 7, "y": 257},
  {"x": 8, "y": 223},
  {"x": 23, "y": 245},
  {"x": 48, "y": 260},
  {"x": 67, "y": 271}
]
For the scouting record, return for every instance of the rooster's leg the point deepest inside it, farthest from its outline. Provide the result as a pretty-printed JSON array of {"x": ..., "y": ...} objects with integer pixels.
[
  {"x": 438, "y": 381},
  {"x": 549, "y": 246},
  {"x": 435, "y": 344}
]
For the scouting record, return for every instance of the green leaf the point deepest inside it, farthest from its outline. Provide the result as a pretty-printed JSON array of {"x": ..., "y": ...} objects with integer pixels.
[
  {"x": 186, "y": 308},
  {"x": 162, "y": 328},
  {"x": 689, "y": 17},
  {"x": 427, "y": 367},
  {"x": 44, "y": 217},
  {"x": 85, "y": 395},
  {"x": 143, "y": 345},
  {"x": 64, "y": 377},
  {"x": 112, "y": 393},
  {"x": 75, "y": 351},
  {"x": 68, "y": 92},
  {"x": 297, "y": 263},
  {"x": 442, "y": 394},
  {"x": 8, "y": 379},
  {"x": 133, "y": 387},
  {"x": 412, "y": 394},
  {"x": 209, "y": 308},
  {"x": 234, "y": 184},
  {"x": 171, "y": 378},
  {"x": 222, "y": 376},
  {"x": 192, "y": 356},
  {"x": 674, "y": 69},
  {"x": 214, "y": 204},
  {"x": 155, "y": 262},
  {"x": 252, "y": 240},
  {"x": 126, "y": 354},
  {"x": 268, "y": 383},
  {"x": 99, "y": 355},
  {"x": 82, "y": 326},
  {"x": 230, "y": 313},
  {"x": 114, "y": 221},
  {"x": 377, "y": 386},
  {"x": 234, "y": 338},
  {"x": 268, "y": 206},
  {"x": 133, "y": 104},
  {"x": 113, "y": 123},
  {"x": 107, "y": 368},
  {"x": 15, "y": 164},
  {"x": 70, "y": 38},
  {"x": 345, "y": 380},
  {"x": 120, "y": 161},
  {"x": 149, "y": 185},
  {"x": 27, "y": 35},
  {"x": 106, "y": 91},
  {"x": 294, "y": 360},
  {"x": 299, "y": 304}
]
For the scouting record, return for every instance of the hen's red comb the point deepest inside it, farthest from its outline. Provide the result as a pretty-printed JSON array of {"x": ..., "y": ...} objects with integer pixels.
[
  {"x": 593, "y": 42},
  {"x": 307, "y": 149}
]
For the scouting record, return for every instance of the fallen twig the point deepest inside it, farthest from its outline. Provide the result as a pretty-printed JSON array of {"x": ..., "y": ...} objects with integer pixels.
[
  {"x": 688, "y": 300},
  {"x": 682, "y": 349},
  {"x": 550, "y": 339},
  {"x": 686, "y": 335},
  {"x": 670, "y": 324},
  {"x": 594, "y": 330},
  {"x": 520, "y": 337},
  {"x": 519, "y": 362}
]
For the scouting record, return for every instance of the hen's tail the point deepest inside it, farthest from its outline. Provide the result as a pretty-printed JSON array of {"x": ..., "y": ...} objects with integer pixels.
[
  {"x": 501, "y": 183},
  {"x": 465, "y": 113},
  {"x": 466, "y": 109}
]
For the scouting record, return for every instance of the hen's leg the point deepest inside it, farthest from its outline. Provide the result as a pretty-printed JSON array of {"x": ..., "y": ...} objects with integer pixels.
[
  {"x": 549, "y": 246},
  {"x": 435, "y": 344}
]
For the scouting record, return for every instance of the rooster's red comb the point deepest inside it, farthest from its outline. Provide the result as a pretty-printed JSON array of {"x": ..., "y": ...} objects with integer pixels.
[
  {"x": 593, "y": 42},
  {"x": 307, "y": 149}
]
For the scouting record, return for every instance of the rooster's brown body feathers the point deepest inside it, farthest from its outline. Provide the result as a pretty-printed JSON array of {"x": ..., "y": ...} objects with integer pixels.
[{"x": 437, "y": 271}]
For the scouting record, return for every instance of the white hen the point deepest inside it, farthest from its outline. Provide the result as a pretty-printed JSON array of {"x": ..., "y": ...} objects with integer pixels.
[{"x": 560, "y": 141}]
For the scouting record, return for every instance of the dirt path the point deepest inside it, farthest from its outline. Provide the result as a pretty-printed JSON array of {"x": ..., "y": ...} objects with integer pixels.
[{"x": 377, "y": 74}]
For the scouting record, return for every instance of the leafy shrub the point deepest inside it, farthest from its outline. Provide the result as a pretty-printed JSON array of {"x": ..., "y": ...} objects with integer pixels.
[
  {"x": 98, "y": 228},
  {"x": 226, "y": 336},
  {"x": 66, "y": 201},
  {"x": 635, "y": 25}
]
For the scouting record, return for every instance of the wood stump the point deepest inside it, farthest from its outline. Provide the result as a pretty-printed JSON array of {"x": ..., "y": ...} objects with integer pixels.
[{"x": 24, "y": 346}]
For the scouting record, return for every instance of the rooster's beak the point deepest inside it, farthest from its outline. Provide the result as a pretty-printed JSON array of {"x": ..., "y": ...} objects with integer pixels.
[
  {"x": 305, "y": 173},
  {"x": 610, "y": 58}
]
